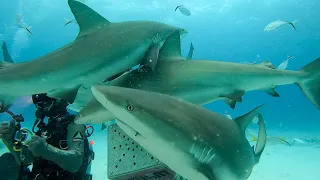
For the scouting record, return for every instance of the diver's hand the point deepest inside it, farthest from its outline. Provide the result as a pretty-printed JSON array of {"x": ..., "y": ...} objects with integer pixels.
[
  {"x": 37, "y": 145},
  {"x": 7, "y": 130}
]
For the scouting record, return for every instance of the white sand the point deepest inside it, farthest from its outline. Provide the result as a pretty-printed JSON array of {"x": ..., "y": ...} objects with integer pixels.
[
  {"x": 278, "y": 162},
  {"x": 288, "y": 163}
]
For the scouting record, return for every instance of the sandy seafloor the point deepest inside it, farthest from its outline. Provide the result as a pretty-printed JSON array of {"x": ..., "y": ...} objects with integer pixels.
[{"x": 278, "y": 162}]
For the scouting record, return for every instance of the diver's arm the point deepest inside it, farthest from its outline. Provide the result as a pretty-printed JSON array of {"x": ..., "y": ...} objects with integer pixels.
[{"x": 72, "y": 158}]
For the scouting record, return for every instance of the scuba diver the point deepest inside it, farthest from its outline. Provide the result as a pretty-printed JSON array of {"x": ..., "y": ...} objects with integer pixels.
[{"x": 59, "y": 150}]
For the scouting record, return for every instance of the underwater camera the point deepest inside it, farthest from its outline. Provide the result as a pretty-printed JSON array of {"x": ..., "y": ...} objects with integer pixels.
[
  {"x": 20, "y": 138},
  {"x": 20, "y": 135}
]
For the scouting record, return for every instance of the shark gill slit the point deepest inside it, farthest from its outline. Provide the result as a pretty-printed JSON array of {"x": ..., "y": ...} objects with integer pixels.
[{"x": 202, "y": 153}]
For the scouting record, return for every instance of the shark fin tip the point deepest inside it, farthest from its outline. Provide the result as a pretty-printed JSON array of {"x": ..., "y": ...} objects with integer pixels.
[{"x": 86, "y": 17}]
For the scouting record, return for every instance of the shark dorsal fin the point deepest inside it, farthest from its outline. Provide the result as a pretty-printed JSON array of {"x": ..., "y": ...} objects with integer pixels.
[
  {"x": 87, "y": 18},
  {"x": 171, "y": 47},
  {"x": 244, "y": 120}
]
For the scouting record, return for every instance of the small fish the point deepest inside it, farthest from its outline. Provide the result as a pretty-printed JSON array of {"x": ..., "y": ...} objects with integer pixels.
[
  {"x": 255, "y": 138},
  {"x": 284, "y": 64},
  {"x": 278, "y": 24},
  {"x": 298, "y": 140},
  {"x": 70, "y": 21},
  {"x": 183, "y": 10},
  {"x": 21, "y": 24}
]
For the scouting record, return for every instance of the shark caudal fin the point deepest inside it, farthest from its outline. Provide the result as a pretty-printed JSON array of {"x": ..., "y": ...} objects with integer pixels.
[
  {"x": 262, "y": 139},
  {"x": 311, "y": 85}
]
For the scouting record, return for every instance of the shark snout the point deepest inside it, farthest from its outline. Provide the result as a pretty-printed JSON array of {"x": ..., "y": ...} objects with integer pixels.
[
  {"x": 108, "y": 96},
  {"x": 102, "y": 93}
]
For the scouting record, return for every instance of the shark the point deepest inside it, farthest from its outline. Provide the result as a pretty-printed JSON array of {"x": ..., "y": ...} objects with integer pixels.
[
  {"x": 193, "y": 141},
  {"x": 204, "y": 81},
  {"x": 6, "y": 101},
  {"x": 102, "y": 49}
]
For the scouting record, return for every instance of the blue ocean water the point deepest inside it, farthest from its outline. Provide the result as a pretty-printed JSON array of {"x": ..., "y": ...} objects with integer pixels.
[{"x": 225, "y": 30}]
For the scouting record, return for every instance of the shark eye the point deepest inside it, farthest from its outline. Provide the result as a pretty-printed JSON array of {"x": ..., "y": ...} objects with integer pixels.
[{"x": 130, "y": 107}]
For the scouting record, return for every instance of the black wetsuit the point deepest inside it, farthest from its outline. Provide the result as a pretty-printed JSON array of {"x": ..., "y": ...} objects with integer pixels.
[{"x": 43, "y": 169}]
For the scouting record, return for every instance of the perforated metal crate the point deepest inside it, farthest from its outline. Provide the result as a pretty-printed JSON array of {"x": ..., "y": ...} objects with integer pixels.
[{"x": 127, "y": 160}]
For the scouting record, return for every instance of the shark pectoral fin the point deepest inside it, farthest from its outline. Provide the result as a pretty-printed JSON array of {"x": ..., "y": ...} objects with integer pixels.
[
  {"x": 231, "y": 103},
  {"x": 86, "y": 18},
  {"x": 128, "y": 130},
  {"x": 6, "y": 102},
  {"x": 244, "y": 120},
  {"x": 262, "y": 139},
  {"x": 171, "y": 48},
  {"x": 272, "y": 92},
  {"x": 232, "y": 98},
  {"x": 6, "y": 56},
  {"x": 266, "y": 64},
  {"x": 68, "y": 94},
  {"x": 190, "y": 54}
]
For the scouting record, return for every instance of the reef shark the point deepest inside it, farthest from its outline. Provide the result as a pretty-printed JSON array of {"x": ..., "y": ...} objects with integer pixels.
[
  {"x": 202, "y": 82},
  {"x": 101, "y": 50},
  {"x": 193, "y": 141}
]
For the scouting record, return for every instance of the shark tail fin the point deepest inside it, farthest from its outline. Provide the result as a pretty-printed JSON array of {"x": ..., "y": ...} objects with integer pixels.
[
  {"x": 262, "y": 139},
  {"x": 311, "y": 85},
  {"x": 244, "y": 120}
]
